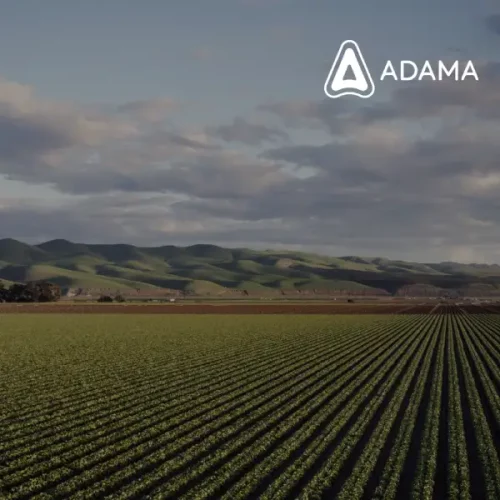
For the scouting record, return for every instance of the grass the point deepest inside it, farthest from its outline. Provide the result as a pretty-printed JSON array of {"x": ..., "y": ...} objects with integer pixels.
[{"x": 70, "y": 278}]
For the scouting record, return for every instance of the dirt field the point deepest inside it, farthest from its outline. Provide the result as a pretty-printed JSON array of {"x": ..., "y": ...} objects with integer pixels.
[
  {"x": 239, "y": 309},
  {"x": 202, "y": 308}
]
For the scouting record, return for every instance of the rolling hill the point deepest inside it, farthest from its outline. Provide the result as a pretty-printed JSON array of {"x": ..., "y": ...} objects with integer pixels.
[{"x": 210, "y": 269}]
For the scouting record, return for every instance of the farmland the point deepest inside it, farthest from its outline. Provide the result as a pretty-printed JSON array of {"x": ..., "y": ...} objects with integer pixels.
[{"x": 272, "y": 406}]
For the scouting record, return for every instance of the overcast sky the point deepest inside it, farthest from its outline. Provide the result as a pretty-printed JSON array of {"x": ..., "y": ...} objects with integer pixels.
[{"x": 177, "y": 122}]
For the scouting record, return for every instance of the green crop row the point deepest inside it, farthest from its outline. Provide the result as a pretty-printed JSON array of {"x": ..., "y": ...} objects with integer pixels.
[{"x": 242, "y": 407}]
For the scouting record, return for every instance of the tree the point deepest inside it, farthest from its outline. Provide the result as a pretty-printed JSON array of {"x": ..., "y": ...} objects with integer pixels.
[
  {"x": 119, "y": 298},
  {"x": 4, "y": 292},
  {"x": 42, "y": 291},
  {"x": 19, "y": 292},
  {"x": 47, "y": 292}
]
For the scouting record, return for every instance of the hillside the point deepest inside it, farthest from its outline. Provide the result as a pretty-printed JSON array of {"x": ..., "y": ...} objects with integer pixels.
[{"x": 212, "y": 270}]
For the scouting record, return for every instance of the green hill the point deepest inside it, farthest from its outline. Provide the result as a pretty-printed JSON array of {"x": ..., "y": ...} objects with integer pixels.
[
  {"x": 210, "y": 269},
  {"x": 15, "y": 252}
]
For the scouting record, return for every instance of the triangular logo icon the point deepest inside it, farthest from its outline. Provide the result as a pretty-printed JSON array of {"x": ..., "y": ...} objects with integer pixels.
[{"x": 349, "y": 61}]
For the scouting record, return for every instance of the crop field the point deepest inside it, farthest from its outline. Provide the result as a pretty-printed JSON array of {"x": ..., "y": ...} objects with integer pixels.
[{"x": 140, "y": 406}]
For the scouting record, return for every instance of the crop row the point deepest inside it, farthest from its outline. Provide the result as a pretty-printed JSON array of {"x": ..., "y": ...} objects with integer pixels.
[{"x": 387, "y": 407}]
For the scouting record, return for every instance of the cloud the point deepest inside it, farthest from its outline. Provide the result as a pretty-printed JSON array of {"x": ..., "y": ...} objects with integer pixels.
[
  {"x": 415, "y": 169},
  {"x": 410, "y": 101},
  {"x": 149, "y": 110},
  {"x": 430, "y": 99},
  {"x": 43, "y": 142},
  {"x": 170, "y": 167},
  {"x": 34, "y": 133},
  {"x": 310, "y": 114},
  {"x": 416, "y": 175},
  {"x": 247, "y": 133}
]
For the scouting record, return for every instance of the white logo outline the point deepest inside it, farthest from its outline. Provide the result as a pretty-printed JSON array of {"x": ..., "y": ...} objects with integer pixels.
[{"x": 349, "y": 90}]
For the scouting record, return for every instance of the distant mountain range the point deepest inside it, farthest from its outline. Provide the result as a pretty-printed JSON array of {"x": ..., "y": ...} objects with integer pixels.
[{"x": 208, "y": 269}]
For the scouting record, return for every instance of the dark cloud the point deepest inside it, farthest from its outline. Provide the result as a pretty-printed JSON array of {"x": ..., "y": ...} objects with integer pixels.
[
  {"x": 211, "y": 176},
  {"x": 35, "y": 135}
]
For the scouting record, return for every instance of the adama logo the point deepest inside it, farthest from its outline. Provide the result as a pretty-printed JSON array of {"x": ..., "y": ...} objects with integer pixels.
[
  {"x": 349, "y": 74},
  {"x": 349, "y": 58}
]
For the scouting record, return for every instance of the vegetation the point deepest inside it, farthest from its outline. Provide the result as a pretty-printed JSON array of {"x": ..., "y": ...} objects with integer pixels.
[
  {"x": 30, "y": 292},
  {"x": 209, "y": 269},
  {"x": 105, "y": 298},
  {"x": 229, "y": 407}
]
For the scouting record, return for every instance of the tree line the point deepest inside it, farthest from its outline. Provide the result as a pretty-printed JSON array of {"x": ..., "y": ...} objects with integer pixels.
[{"x": 40, "y": 291}]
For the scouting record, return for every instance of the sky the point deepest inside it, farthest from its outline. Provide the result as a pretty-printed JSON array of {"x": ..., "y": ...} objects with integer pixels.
[{"x": 180, "y": 122}]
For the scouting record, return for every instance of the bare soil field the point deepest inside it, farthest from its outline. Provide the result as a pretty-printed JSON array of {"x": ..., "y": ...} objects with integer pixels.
[
  {"x": 215, "y": 309},
  {"x": 238, "y": 308}
]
